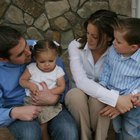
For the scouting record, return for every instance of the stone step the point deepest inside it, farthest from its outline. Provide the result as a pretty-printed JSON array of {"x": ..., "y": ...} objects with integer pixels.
[{"x": 5, "y": 134}]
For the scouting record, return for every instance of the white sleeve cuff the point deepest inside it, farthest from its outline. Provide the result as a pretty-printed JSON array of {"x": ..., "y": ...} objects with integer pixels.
[{"x": 106, "y": 96}]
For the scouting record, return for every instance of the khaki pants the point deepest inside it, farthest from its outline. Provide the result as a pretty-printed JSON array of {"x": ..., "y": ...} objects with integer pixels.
[{"x": 85, "y": 110}]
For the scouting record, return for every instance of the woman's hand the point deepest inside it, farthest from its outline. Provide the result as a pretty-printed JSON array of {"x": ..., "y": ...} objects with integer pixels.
[
  {"x": 109, "y": 111},
  {"x": 45, "y": 97},
  {"x": 124, "y": 103}
]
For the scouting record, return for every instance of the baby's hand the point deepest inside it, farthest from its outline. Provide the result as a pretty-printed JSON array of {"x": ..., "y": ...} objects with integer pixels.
[
  {"x": 34, "y": 89},
  {"x": 136, "y": 99}
]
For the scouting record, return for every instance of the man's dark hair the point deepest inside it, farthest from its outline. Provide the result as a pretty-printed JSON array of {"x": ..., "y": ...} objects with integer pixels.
[{"x": 9, "y": 38}]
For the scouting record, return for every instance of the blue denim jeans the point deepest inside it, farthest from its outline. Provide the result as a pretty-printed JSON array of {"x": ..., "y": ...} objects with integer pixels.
[
  {"x": 63, "y": 127},
  {"x": 25, "y": 130},
  {"x": 127, "y": 126}
]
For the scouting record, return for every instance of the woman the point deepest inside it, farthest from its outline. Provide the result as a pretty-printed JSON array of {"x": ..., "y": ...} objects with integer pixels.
[{"x": 86, "y": 64}]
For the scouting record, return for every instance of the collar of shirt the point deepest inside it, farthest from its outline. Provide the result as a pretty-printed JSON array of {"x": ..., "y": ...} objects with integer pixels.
[
  {"x": 8, "y": 64},
  {"x": 135, "y": 56},
  {"x": 87, "y": 50}
]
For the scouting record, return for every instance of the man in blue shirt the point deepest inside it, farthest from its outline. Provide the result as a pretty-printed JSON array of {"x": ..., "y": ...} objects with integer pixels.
[{"x": 21, "y": 120}]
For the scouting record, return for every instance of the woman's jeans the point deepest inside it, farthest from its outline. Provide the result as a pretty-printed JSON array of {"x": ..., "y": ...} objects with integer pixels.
[{"x": 61, "y": 127}]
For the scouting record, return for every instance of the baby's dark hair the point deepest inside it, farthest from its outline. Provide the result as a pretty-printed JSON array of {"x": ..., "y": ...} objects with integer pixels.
[
  {"x": 130, "y": 29},
  {"x": 44, "y": 45}
]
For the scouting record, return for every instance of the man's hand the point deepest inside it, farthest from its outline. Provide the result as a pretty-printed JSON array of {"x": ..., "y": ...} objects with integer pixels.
[
  {"x": 124, "y": 103},
  {"x": 45, "y": 97},
  {"x": 109, "y": 111},
  {"x": 25, "y": 113}
]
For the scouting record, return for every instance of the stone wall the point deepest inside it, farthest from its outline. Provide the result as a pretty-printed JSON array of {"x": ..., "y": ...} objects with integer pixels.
[{"x": 39, "y": 18}]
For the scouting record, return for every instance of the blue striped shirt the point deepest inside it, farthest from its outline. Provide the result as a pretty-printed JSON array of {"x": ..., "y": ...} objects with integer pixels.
[{"x": 121, "y": 73}]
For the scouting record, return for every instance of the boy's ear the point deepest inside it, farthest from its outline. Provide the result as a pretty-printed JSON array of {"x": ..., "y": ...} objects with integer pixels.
[
  {"x": 4, "y": 59},
  {"x": 135, "y": 47}
]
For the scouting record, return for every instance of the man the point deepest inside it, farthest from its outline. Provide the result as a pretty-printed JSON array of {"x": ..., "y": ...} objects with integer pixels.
[{"x": 21, "y": 120}]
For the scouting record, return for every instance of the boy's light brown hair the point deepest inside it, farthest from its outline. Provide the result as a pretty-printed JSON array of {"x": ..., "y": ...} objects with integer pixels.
[{"x": 130, "y": 27}]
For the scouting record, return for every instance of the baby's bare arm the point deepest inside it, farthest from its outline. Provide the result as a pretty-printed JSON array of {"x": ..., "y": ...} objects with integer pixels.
[{"x": 26, "y": 83}]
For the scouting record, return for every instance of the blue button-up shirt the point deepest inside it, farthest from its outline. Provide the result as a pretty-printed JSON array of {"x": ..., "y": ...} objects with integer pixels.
[
  {"x": 121, "y": 73},
  {"x": 11, "y": 93}
]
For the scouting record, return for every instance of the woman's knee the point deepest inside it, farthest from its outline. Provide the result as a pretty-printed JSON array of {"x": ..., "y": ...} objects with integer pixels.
[
  {"x": 75, "y": 97},
  {"x": 95, "y": 103}
]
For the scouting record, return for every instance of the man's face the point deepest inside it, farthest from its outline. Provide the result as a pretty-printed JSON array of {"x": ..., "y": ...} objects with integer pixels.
[{"x": 21, "y": 53}]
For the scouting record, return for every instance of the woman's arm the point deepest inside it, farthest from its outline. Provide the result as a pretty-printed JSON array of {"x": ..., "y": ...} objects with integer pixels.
[
  {"x": 106, "y": 71},
  {"x": 89, "y": 86},
  {"x": 92, "y": 88}
]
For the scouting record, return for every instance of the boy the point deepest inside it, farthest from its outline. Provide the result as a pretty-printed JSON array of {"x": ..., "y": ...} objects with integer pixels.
[{"x": 121, "y": 72}]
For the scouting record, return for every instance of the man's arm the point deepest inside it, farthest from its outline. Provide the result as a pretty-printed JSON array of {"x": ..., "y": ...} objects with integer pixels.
[
  {"x": 25, "y": 113},
  {"x": 8, "y": 115},
  {"x": 5, "y": 118}
]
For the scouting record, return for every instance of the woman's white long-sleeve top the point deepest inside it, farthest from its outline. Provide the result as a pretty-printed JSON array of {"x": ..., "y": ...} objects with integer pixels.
[{"x": 85, "y": 73}]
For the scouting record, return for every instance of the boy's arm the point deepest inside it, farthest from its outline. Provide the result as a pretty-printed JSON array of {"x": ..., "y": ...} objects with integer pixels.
[
  {"x": 106, "y": 72},
  {"x": 136, "y": 99},
  {"x": 109, "y": 111}
]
